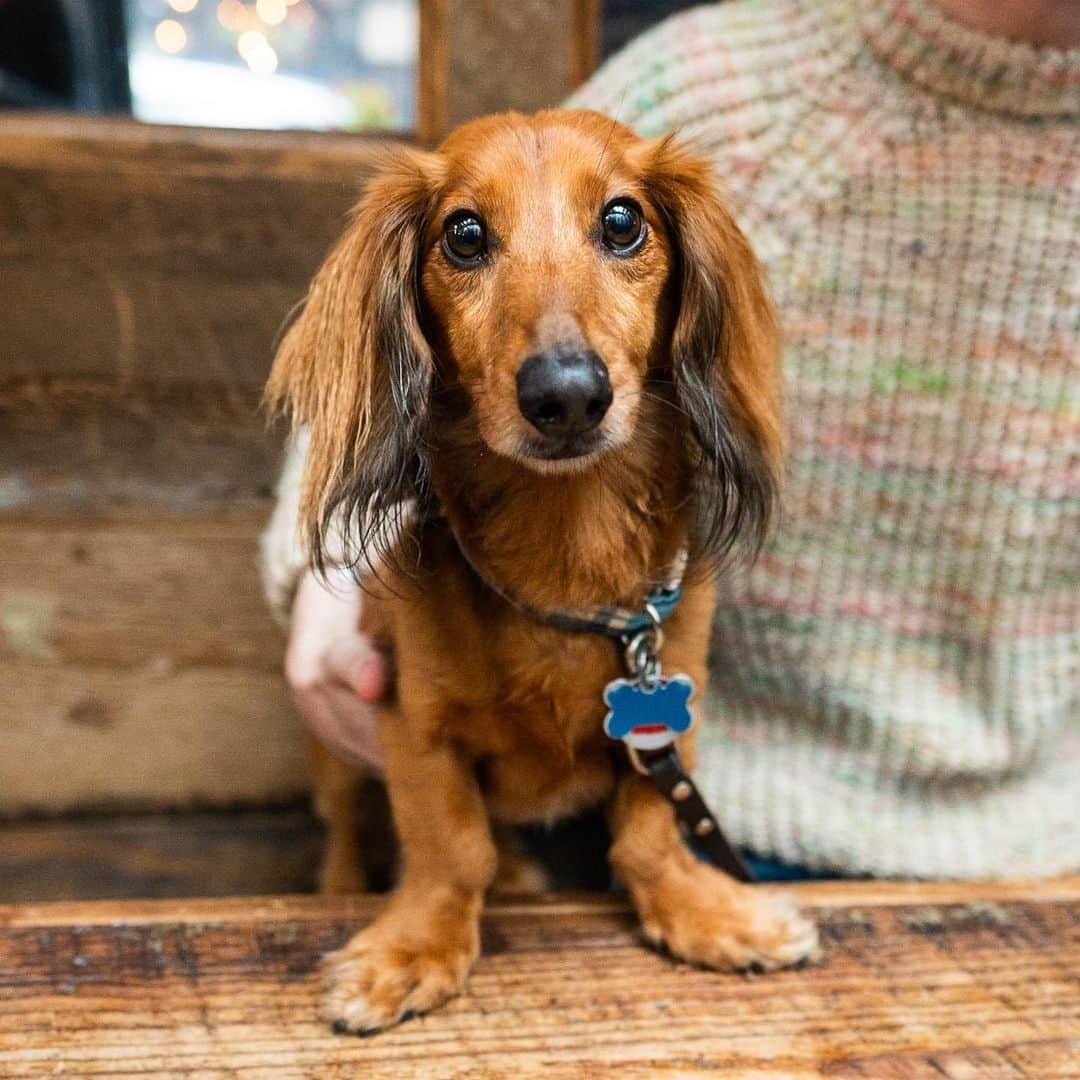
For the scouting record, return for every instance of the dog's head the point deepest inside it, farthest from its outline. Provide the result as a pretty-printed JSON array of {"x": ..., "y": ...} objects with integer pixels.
[{"x": 542, "y": 276}]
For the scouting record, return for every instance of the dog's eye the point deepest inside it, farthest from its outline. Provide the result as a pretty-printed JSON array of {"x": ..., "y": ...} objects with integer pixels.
[
  {"x": 624, "y": 226},
  {"x": 464, "y": 238}
]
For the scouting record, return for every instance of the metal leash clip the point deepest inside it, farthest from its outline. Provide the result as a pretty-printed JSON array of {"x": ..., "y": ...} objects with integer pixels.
[{"x": 642, "y": 652}]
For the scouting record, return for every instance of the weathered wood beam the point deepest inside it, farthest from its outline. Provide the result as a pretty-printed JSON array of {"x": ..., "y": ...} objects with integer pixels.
[
  {"x": 971, "y": 980},
  {"x": 482, "y": 56},
  {"x": 175, "y": 254}
]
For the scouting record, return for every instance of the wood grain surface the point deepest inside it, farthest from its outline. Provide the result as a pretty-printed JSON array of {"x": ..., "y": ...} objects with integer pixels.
[
  {"x": 147, "y": 271},
  {"x": 920, "y": 981},
  {"x": 196, "y": 853},
  {"x": 130, "y": 251},
  {"x": 483, "y": 56},
  {"x": 140, "y": 666}
]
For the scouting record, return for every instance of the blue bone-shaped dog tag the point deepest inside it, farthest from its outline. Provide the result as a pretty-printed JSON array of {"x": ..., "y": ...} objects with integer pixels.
[{"x": 648, "y": 719}]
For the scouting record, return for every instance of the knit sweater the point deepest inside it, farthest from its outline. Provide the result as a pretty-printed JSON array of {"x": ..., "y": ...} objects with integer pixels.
[{"x": 896, "y": 682}]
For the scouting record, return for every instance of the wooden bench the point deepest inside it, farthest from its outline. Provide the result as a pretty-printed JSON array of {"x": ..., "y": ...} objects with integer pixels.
[{"x": 959, "y": 981}]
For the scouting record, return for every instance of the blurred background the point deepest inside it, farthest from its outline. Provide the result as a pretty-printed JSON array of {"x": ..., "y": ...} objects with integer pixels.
[
  {"x": 171, "y": 174},
  {"x": 317, "y": 65}
]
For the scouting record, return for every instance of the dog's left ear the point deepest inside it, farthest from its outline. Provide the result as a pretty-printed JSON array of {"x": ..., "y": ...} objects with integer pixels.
[
  {"x": 725, "y": 353},
  {"x": 355, "y": 368}
]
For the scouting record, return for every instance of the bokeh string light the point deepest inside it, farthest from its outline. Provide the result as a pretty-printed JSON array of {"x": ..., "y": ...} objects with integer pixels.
[
  {"x": 233, "y": 16},
  {"x": 346, "y": 63},
  {"x": 257, "y": 52},
  {"x": 170, "y": 36},
  {"x": 250, "y": 23},
  {"x": 272, "y": 12},
  {"x": 255, "y": 22}
]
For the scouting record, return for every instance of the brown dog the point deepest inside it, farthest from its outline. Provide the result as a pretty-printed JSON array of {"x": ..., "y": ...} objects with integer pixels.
[{"x": 554, "y": 329}]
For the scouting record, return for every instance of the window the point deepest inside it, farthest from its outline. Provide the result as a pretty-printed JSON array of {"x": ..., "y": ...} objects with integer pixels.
[{"x": 317, "y": 64}]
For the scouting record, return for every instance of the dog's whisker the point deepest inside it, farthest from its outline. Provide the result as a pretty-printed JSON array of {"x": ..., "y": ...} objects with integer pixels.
[
  {"x": 660, "y": 400},
  {"x": 607, "y": 143}
]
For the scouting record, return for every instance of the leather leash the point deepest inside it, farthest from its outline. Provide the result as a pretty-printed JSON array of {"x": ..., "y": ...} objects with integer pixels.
[
  {"x": 640, "y": 634},
  {"x": 702, "y": 830}
]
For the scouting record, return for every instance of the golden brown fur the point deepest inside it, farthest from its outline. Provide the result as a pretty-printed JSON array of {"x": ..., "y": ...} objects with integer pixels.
[{"x": 403, "y": 365}]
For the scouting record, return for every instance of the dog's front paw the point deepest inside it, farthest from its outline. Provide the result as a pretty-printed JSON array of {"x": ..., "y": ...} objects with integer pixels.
[
  {"x": 704, "y": 917},
  {"x": 378, "y": 980}
]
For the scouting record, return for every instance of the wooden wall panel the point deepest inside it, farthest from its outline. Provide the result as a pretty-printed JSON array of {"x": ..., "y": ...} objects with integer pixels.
[
  {"x": 208, "y": 853},
  {"x": 139, "y": 666},
  {"x": 151, "y": 252},
  {"x": 104, "y": 738},
  {"x": 145, "y": 273},
  {"x": 103, "y": 449},
  {"x": 164, "y": 595},
  {"x": 481, "y": 56}
]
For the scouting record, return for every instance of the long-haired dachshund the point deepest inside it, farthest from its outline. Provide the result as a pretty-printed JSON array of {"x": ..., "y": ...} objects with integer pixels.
[{"x": 540, "y": 363}]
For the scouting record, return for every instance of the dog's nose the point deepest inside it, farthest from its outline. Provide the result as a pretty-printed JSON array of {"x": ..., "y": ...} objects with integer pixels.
[{"x": 564, "y": 392}]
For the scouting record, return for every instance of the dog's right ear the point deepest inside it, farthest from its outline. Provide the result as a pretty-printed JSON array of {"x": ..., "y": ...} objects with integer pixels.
[
  {"x": 725, "y": 349},
  {"x": 356, "y": 369}
]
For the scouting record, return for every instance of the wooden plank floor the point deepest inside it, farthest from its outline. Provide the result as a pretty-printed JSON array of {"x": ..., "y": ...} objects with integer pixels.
[{"x": 920, "y": 981}]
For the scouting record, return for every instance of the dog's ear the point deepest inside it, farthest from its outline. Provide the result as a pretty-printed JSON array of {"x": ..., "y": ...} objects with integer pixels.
[
  {"x": 725, "y": 351},
  {"x": 356, "y": 369}
]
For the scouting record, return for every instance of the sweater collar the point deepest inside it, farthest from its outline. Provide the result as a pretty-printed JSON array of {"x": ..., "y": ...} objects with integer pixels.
[{"x": 923, "y": 44}]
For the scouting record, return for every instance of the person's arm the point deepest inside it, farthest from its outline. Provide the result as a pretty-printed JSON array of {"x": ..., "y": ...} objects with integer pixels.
[
  {"x": 333, "y": 671},
  {"x": 283, "y": 555}
]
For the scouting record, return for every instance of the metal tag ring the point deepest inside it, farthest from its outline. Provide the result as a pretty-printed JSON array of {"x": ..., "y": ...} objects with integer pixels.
[{"x": 642, "y": 660}]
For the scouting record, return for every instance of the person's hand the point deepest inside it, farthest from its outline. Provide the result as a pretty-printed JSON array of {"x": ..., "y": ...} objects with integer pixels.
[{"x": 334, "y": 672}]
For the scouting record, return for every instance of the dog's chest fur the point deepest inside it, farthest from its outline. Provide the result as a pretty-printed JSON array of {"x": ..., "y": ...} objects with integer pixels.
[{"x": 521, "y": 701}]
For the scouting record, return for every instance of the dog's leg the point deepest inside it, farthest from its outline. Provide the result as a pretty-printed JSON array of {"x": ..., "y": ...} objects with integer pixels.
[
  {"x": 518, "y": 873},
  {"x": 690, "y": 908},
  {"x": 336, "y": 794},
  {"x": 418, "y": 952}
]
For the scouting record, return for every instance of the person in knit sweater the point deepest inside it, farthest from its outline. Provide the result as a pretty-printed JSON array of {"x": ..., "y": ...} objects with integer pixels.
[{"x": 896, "y": 682}]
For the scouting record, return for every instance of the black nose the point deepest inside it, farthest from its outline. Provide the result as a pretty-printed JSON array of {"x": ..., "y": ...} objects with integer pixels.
[{"x": 563, "y": 392}]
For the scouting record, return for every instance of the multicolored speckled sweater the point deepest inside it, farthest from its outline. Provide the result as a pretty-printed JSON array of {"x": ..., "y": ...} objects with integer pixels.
[{"x": 897, "y": 681}]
